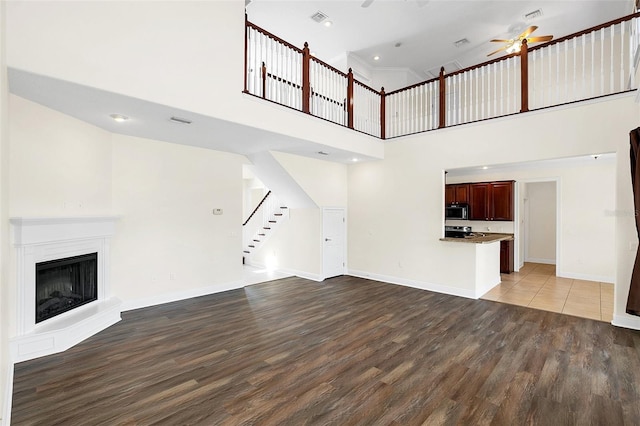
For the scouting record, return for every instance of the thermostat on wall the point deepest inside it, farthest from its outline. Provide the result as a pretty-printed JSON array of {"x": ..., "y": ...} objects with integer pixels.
[{"x": 217, "y": 211}]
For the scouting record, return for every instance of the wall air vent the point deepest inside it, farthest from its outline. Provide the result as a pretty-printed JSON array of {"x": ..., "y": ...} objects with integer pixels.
[
  {"x": 319, "y": 16},
  {"x": 180, "y": 120}
]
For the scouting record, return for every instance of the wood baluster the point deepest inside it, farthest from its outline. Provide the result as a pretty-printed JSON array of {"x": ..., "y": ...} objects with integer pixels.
[
  {"x": 264, "y": 80},
  {"x": 382, "y": 114},
  {"x": 246, "y": 48},
  {"x": 443, "y": 101},
  {"x": 306, "y": 85},
  {"x": 524, "y": 77}
]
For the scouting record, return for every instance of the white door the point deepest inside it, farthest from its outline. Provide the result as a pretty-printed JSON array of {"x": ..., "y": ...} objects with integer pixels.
[{"x": 333, "y": 242}]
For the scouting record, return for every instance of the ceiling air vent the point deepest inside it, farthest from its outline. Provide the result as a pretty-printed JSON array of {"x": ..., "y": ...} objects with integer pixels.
[
  {"x": 533, "y": 15},
  {"x": 319, "y": 16},
  {"x": 461, "y": 42},
  {"x": 180, "y": 120},
  {"x": 448, "y": 68}
]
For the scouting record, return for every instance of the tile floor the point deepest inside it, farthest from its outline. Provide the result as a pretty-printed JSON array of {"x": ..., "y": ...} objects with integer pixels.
[{"x": 536, "y": 286}]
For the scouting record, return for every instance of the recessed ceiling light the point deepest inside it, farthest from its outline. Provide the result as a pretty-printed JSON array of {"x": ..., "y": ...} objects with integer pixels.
[
  {"x": 328, "y": 23},
  {"x": 485, "y": 167},
  {"x": 119, "y": 118},
  {"x": 376, "y": 58}
]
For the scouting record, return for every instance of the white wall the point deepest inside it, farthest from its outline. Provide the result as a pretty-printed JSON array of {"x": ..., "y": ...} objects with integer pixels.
[
  {"x": 395, "y": 206},
  {"x": 296, "y": 246},
  {"x": 168, "y": 242},
  {"x": 541, "y": 213},
  {"x": 59, "y": 166},
  {"x": 587, "y": 227},
  {"x": 186, "y": 54}
]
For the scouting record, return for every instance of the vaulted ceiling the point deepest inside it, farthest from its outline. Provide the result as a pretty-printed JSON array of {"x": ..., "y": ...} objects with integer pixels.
[{"x": 421, "y": 35}]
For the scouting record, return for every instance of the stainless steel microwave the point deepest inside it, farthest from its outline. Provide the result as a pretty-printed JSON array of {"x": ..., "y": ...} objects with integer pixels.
[{"x": 457, "y": 211}]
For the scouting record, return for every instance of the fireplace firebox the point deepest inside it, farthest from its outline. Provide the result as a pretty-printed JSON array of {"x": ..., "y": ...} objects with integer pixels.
[{"x": 65, "y": 284}]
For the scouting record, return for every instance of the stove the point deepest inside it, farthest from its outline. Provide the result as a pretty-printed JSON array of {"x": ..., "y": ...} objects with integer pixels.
[{"x": 457, "y": 231}]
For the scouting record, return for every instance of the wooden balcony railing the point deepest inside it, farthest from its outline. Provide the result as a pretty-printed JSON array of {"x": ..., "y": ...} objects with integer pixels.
[{"x": 596, "y": 62}]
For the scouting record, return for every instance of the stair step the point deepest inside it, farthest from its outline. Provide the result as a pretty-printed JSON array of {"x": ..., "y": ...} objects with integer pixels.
[
  {"x": 284, "y": 207},
  {"x": 262, "y": 235},
  {"x": 272, "y": 221},
  {"x": 266, "y": 227},
  {"x": 278, "y": 214},
  {"x": 246, "y": 251},
  {"x": 252, "y": 246},
  {"x": 257, "y": 241}
]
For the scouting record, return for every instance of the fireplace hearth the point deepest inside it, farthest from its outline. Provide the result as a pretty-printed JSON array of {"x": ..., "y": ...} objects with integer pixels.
[{"x": 65, "y": 284}]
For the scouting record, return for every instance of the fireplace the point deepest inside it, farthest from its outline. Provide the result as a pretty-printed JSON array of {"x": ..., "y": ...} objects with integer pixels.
[
  {"x": 62, "y": 283},
  {"x": 65, "y": 284}
]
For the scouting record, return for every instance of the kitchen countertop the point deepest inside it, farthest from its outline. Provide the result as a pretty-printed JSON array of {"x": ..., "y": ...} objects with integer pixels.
[{"x": 480, "y": 238}]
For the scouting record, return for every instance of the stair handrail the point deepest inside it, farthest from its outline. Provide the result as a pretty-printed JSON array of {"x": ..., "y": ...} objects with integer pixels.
[{"x": 257, "y": 208}]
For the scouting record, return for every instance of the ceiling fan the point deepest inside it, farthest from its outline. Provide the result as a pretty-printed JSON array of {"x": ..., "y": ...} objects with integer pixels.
[
  {"x": 367, "y": 3},
  {"x": 513, "y": 45}
]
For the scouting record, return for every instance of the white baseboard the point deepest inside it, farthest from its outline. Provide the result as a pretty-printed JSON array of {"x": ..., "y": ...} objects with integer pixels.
[
  {"x": 8, "y": 397},
  {"x": 301, "y": 274},
  {"x": 626, "y": 321},
  {"x": 176, "y": 296},
  {"x": 586, "y": 277},
  {"x": 438, "y": 288},
  {"x": 539, "y": 260}
]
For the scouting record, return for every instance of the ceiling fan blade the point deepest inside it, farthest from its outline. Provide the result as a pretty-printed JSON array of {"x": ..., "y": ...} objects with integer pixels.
[
  {"x": 366, "y": 3},
  {"x": 539, "y": 39},
  {"x": 499, "y": 50},
  {"x": 499, "y": 40},
  {"x": 526, "y": 32}
]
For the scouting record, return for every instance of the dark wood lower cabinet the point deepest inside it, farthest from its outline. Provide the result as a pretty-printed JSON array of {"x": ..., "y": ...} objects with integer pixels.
[{"x": 506, "y": 257}]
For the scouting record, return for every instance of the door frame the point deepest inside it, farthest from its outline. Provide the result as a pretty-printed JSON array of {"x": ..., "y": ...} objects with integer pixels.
[
  {"x": 344, "y": 233},
  {"x": 558, "y": 182}
]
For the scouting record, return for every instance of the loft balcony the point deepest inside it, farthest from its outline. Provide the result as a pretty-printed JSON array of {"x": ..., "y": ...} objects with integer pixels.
[{"x": 596, "y": 62}]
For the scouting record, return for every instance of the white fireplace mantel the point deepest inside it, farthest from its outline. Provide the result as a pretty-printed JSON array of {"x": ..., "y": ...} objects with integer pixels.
[{"x": 49, "y": 238}]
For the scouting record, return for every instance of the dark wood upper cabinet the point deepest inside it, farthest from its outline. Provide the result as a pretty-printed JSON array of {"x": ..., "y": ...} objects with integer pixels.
[
  {"x": 491, "y": 200},
  {"x": 502, "y": 194},
  {"x": 456, "y": 193},
  {"x": 479, "y": 208}
]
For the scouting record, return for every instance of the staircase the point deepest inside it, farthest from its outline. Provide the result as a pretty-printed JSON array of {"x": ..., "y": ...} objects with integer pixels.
[{"x": 262, "y": 223}]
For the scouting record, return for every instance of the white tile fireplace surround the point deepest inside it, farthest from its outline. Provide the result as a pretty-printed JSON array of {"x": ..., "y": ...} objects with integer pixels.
[{"x": 43, "y": 239}]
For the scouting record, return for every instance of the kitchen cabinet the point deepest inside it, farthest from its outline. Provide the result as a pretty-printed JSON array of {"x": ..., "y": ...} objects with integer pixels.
[
  {"x": 491, "y": 200},
  {"x": 506, "y": 256},
  {"x": 457, "y": 193}
]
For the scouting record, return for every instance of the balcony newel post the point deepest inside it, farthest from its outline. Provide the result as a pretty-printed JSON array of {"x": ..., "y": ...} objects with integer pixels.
[
  {"x": 350, "y": 99},
  {"x": 264, "y": 80},
  {"x": 306, "y": 81},
  {"x": 443, "y": 102},
  {"x": 524, "y": 77},
  {"x": 383, "y": 114},
  {"x": 246, "y": 49}
]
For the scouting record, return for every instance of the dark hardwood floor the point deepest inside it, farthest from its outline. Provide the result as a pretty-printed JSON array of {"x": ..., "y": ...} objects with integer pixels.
[{"x": 346, "y": 351}]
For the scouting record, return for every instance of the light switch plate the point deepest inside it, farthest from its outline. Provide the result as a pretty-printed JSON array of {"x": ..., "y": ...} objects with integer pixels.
[{"x": 217, "y": 211}]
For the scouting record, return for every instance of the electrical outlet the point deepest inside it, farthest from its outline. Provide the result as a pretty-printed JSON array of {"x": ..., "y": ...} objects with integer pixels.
[{"x": 217, "y": 211}]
